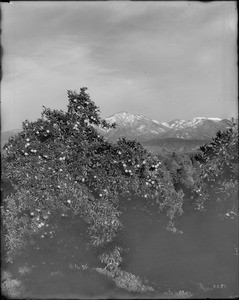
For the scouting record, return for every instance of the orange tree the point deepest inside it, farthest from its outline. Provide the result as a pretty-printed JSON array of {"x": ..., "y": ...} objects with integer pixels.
[
  {"x": 60, "y": 166},
  {"x": 209, "y": 179},
  {"x": 217, "y": 186}
]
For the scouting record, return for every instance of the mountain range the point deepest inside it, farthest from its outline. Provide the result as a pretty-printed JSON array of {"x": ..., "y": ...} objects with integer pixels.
[
  {"x": 144, "y": 129},
  {"x": 157, "y": 137}
]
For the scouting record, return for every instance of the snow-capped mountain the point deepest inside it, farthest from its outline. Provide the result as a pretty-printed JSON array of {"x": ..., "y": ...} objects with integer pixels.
[
  {"x": 142, "y": 128},
  {"x": 176, "y": 124},
  {"x": 134, "y": 126},
  {"x": 197, "y": 128},
  {"x": 125, "y": 118},
  {"x": 195, "y": 122}
]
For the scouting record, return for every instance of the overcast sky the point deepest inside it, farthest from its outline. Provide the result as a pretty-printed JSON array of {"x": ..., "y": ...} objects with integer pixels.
[{"x": 165, "y": 60}]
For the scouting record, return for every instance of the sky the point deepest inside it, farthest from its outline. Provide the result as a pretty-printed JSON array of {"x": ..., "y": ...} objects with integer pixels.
[{"x": 165, "y": 60}]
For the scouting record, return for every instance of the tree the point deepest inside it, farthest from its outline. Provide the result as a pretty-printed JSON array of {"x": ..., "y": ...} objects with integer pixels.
[
  {"x": 60, "y": 166},
  {"x": 219, "y": 173}
]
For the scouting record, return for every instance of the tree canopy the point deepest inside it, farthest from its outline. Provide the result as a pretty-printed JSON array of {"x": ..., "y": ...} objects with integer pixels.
[{"x": 59, "y": 166}]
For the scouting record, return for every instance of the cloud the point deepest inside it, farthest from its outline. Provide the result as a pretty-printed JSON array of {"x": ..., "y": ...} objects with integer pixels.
[{"x": 154, "y": 58}]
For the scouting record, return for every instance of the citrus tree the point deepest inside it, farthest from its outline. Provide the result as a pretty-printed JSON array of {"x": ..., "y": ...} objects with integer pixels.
[
  {"x": 60, "y": 167},
  {"x": 218, "y": 182}
]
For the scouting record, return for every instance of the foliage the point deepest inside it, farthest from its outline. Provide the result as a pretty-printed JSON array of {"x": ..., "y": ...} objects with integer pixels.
[
  {"x": 11, "y": 287},
  {"x": 112, "y": 259},
  {"x": 126, "y": 280},
  {"x": 182, "y": 170},
  {"x": 178, "y": 295},
  {"x": 123, "y": 279},
  {"x": 209, "y": 178},
  {"x": 60, "y": 165},
  {"x": 219, "y": 174}
]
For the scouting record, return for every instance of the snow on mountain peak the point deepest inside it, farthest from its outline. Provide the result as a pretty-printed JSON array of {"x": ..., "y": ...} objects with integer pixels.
[
  {"x": 161, "y": 123},
  {"x": 215, "y": 119},
  {"x": 205, "y": 118},
  {"x": 128, "y": 118},
  {"x": 121, "y": 117},
  {"x": 195, "y": 121},
  {"x": 199, "y": 118}
]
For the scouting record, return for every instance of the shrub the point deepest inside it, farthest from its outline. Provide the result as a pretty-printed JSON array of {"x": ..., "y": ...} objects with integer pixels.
[
  {"x": 122, "y": 279},
  {"x": 126, "y": 280}
]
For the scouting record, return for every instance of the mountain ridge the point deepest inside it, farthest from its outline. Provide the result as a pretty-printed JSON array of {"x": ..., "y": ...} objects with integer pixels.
[
  {"x": 148, "y": 131},
  {"x": 144, "y": 128}
]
